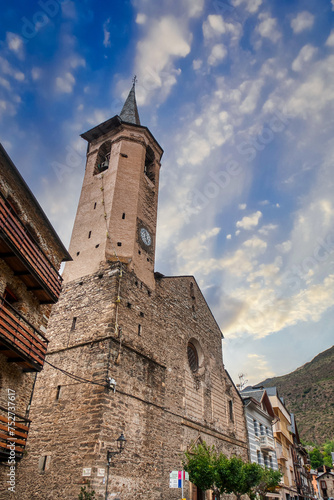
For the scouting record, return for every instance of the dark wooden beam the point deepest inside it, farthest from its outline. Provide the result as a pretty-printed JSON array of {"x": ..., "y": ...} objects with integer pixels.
[
  {"x": 21, "y": 273},
  {"x": 15, "y": 360}
]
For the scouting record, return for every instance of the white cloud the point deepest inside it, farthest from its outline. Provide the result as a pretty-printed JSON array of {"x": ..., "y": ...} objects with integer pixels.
[
  {"x": 229, "y": 236},
  {"x": 141, "y": 18},
  {"x": 36, "y": 73},
  {"x": 242, "y": 206},
  {"x": 7, "y": 69},
  {"x": 305, "y": 55},
  {"x": 5, "y": 83},
  {"x": 267, "y": 228},
  {"x": 194, "y": 7},
  {"x": 263, "y": 368},
  {"x": 268, "y": 27},
  {"x": 304, "y": 20},
  {"x": 315, "y": 93},
  {"x": 251, "y": 6},
  {"x": 249, "y": 222},
  {"x": 106, "y": 33},
  {"x": 284, "y": 247},
  {"x": 165, "y": 40},
  {"x": 218, "y": 53},
  {"x": 76, "y": 61},
  {"x": 252, "y": 92},
  {"x": 215, "y": 26},
  {"x": 65, "y": 83},
  {"x": 263, "y": 312},
  {"x": 194, "y": 150},
  {"x": 197, "y": 64},
  {"x": 15, "y": 44},
  {"x": 332, "y": 2},
  {"x": 255, "y": 243},
  {"x": 330, "y": 39}
]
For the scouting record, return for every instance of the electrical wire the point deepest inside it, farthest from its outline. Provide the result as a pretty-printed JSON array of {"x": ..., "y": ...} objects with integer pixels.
[{"x": 76, "y": 377}]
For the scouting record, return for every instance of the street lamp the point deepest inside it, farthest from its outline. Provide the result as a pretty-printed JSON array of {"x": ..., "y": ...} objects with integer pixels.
[{"x": 121, "y": 442}]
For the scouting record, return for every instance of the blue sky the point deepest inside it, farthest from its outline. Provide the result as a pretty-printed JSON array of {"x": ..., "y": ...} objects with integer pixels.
[{"x": 240, "y": 96}]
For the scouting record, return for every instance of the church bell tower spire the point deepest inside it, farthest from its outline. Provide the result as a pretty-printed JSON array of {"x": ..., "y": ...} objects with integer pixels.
[{"x": 129, "y": 113}]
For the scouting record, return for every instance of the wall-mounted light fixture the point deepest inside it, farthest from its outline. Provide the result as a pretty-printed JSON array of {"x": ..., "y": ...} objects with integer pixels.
[{"x": 121, "y": 442}]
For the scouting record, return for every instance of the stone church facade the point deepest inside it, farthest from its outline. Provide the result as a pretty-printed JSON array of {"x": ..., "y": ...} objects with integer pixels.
[{"x": 130, "y": 350}]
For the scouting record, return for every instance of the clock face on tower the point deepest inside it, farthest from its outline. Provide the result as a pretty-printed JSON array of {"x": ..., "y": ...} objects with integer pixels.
[{"x": 145, "y": 236}]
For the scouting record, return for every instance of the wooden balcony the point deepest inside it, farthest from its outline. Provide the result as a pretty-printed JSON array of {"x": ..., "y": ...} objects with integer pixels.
[
  {"x": 13, "y": 429},
  {"x": 25, "y": 257},
  {"x": 20, "y": 342}
]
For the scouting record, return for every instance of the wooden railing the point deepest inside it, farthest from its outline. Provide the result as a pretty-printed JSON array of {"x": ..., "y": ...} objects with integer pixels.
[
  {"x": 22, "y": 341},
  {"x": 13, "y": 434},
  {"x": 23, "y": 245}
]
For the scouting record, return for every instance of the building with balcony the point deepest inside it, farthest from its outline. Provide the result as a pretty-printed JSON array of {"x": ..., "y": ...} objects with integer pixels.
[
  {"x": 283, "y": 436},
  {"x": 301, "y": 464},
  {"x": 259, "y": 418},
  {"x": 30, "y": 256}
]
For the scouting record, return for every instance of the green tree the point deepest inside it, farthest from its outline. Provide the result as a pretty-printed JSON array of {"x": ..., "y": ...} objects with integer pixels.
[
  {"x": 269, "y": 480},
  {"x": 328, "y": 448},
  {"x": 236, "y": 476},
  {"x": 316, "y": 458},
  {"x": 201, "y": 464}
]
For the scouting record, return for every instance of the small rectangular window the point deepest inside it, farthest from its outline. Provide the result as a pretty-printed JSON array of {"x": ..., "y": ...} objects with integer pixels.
[
  {"x": 58, "y": 392},
  {"x": 139, "y": 330},
  {"x": 119, "y": 244},
  {"x": 94, "y": 205},
  {"x": 89, "y": 234},
  {"x": 230, "y": 405},
  {"x": 74, "y": 320},
  {"x": 123, "y": 216}
]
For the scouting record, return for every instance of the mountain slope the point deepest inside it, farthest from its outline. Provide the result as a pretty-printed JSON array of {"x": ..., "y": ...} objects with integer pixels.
[{"x": 308, "y": 392}]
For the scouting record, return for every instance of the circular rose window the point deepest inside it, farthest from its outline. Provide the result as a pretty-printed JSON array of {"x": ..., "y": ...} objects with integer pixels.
[{"x": 192, "y": 357}]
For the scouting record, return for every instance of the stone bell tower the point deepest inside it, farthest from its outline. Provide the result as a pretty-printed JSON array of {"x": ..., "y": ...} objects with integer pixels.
[{"x": 117, "y": 213}]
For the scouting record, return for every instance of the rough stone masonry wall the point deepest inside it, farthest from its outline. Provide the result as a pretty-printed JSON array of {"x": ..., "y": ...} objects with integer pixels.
[
  {"x": 11, "y": 374},
  {"x": 154, "y": 394}
]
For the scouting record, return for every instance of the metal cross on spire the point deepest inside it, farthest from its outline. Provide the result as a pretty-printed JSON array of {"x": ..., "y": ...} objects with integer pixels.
[{"x": 134, "y": 80}]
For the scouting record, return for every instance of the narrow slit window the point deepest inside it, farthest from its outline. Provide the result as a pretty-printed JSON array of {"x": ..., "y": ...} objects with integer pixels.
[
  {"x": 230, "y": 405},
  {"x": 58, "y": 392},
  {"x": 123, "y": 216},
  {"x": 89, "y": 234},
  {"x": 42, "y": 463},
  {"x": 94, "y": 205},
  {"x": 139, "y": 330},
  {"x": 74, "y": 320}
]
